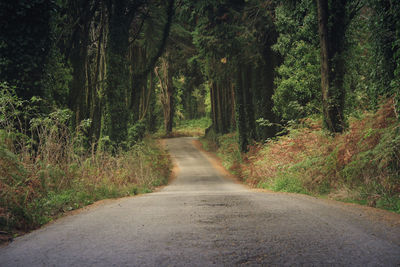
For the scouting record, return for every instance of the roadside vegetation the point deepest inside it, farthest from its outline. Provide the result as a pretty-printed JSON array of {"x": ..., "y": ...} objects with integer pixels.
[
  {"x": 362, "y": 165},
  {"x": 298, "y": 96},
  {"x": 194, "y": 127},
  {"x": 50, "y": 170}
]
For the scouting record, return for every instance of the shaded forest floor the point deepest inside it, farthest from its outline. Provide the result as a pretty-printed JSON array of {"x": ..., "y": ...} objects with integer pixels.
[{"x": 361, "y": 165}]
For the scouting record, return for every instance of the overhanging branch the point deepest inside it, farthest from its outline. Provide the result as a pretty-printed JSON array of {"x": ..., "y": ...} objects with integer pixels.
[{"x": 161, "y": 47}]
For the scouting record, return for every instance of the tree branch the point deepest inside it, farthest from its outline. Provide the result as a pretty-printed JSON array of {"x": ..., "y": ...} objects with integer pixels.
[
  {"x": 145, "y": 16},
  {"x": 161, "y": 47}
]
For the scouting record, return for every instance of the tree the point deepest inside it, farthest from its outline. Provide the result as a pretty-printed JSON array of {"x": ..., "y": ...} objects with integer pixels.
[
  {"x": 82, "y": 14},
  {"x": 385, "y": 39},
  {"x": 115, "y": 118},
  {"x": 121, "y": 15},
  {"x": 234, "y": 41},
  {"x": 215, "y": 38},
  {"x": 167, "y": 91},
  {"x": 332, "y": 65},
  {"x": 333, "y": 19},
  {"x": 298, "y": 83}
]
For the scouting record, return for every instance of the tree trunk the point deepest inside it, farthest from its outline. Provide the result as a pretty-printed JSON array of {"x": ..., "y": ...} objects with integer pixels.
[
  {"x": 331, "y": 27},
  {"x": 240, "y": 112},
  {"x": 115, "y": 125},
  {"x": 99, "y": 76},
  {"x": 263, "y": 87},
  {"x": 78, "y": 59},
  {"x": 213, "y": 108},
  {"x": 248, "y": 101},
  {"x": 167, "y": 92}
]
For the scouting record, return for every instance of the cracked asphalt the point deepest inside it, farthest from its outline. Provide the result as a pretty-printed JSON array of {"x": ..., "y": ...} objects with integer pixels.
[{"x": 205, "y": 219}]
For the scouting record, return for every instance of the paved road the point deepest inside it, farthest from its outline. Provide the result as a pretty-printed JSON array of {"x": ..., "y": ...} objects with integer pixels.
[{"x": 203, "y": 219}]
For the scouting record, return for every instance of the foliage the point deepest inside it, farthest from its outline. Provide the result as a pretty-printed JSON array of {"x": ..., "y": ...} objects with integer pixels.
[
  {"x": 228, "y": 151},
  {"x": 136, "y": 132},
  {"x": 290, "y": 184},
  {"x": 226, "y": 147},
  {"x": 78, "y": 94},
  {"x": 298, "y": 84},
  {"x": 358, "y": 67},
  {"x": 195, "y": 127},
  {"x": 48, "y": 170},
  {"x": 384, "y": 41},
  {"x": 361, "y": 165},
  {"x": 34, "y": 193},
  {"x": 56, "y": 79}
]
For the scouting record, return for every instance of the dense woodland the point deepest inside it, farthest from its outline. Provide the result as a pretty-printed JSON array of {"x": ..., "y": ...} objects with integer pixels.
[
  {"x": 98, "y": 75},
  {"x": 126, "y": 65}
]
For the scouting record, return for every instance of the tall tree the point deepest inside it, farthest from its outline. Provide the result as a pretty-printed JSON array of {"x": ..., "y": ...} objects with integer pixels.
[
  {"x": 262, "y": 63},
  {"x": 81, "y": 12},
  {"x": 331, "y": 27},
  {"x": 216, "y": 39},
  {"x": 121, "y": 14},
  {"x": 148, "y": 41},
  {"x": 333, "y": 19}
]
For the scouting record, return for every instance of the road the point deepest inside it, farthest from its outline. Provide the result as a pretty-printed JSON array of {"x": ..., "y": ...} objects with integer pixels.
[{"x": 204, "y": 219}]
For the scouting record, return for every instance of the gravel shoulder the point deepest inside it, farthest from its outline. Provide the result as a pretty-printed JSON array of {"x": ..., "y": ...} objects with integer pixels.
[{"x": 203, "y": 219}]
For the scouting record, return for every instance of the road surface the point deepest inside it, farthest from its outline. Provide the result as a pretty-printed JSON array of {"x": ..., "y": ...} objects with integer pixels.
[{"x": 204, "y": 219}]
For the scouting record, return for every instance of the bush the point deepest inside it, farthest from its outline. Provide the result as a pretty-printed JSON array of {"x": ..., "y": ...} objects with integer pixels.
[{"x": 136, "y": 132}]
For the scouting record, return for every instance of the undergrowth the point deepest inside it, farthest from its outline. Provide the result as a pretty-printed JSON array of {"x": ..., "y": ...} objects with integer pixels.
[
  {"x": 195, "y": 127},
  {"x": 33, "y": 192},
  {"x": 46, "y": 170},
  {"x": 361, "y": 165}
]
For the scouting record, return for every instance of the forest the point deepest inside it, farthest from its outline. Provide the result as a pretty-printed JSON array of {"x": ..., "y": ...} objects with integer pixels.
[{"x": 297, "y": 96}]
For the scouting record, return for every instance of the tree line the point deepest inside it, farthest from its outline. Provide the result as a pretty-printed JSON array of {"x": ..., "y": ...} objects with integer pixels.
[
  {"x": 276, "y": 62},
  {"x": 130, "y": 66}
]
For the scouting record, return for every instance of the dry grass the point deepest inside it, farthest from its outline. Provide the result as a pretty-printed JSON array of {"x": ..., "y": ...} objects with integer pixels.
[
  {"x": 361, "y": 165},
  {"x": 264, "y": 162},
  {"x": 46, "y": 168},
  {"x": 36, "y": 188}
]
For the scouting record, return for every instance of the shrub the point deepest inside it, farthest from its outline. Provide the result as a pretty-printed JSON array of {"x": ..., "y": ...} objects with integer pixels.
[{"x": 136, "y": 132}]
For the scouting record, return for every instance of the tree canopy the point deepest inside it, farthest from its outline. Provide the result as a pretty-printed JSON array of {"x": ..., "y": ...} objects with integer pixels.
[{"x": 133, "y": 66}]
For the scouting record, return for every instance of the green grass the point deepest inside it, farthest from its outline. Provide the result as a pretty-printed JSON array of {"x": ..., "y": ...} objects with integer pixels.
[
  {"x": 202, "y": 123},
  {"x": 195, "y": 127},
  {"x": 227, "y": 149},
  {"x": 229, "y": 152},
  {"x": 290, "y": 184}
]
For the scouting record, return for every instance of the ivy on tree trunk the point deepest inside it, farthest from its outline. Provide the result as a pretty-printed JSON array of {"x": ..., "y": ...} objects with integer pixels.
[{"x": 117, "y": 73}]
